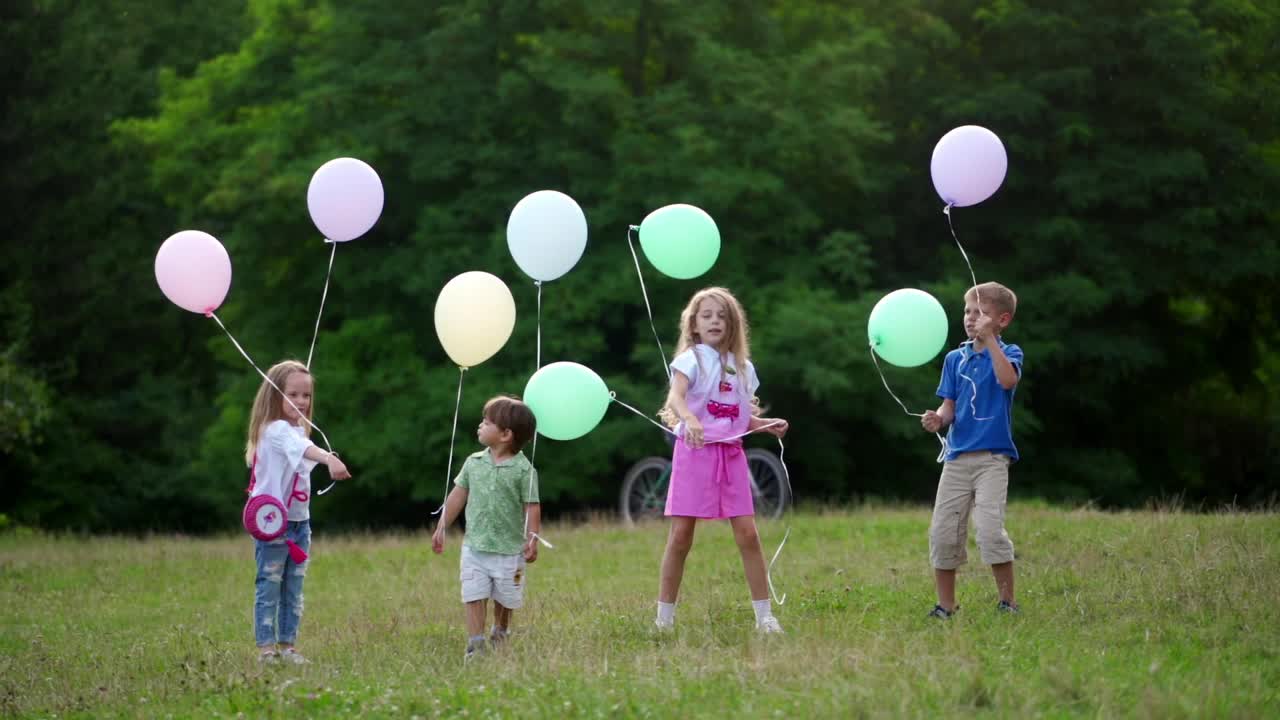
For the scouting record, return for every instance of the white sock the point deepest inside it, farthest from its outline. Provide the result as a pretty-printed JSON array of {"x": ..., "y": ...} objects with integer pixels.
[
  {"x": 763, "y": 608},
  {"x": 666, "y": 613}
]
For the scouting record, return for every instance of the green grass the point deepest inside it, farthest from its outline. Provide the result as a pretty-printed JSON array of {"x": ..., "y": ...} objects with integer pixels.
[{"x": 1147, "y": 614}]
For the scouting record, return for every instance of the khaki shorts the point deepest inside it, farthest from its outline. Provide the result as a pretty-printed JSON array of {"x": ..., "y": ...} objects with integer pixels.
[
  {"x": 488, "y": 575},
  {"x": 977, "y": 482}
]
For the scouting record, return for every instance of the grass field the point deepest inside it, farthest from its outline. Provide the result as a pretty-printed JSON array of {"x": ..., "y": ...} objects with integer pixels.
[{"x": 1145, "y": 614}]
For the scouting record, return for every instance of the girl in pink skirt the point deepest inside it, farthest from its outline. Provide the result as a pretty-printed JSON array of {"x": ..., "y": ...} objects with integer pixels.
[{"x": 712, "y": 405}]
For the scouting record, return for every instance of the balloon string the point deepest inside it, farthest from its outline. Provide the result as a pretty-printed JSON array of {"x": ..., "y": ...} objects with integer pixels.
[
  {"x": 452, "y": 438},
  {"x": 537, "y": 365},
  {"x": 768, "y": 573},
  {"x": 323, "y": 295},
  {"x": 613, "y": 397},
  {"x": 941, "y": 454},
  {"x": 947, "y": 211},
  {"x": 301, "y": 414},
  {"x": 665, "y": 367},
  {"x": 533, "y": 453},
  {"x": 537, "y": 361},
  {"x": 977, "y": 295},
  {"x": 526, "y": 514}
]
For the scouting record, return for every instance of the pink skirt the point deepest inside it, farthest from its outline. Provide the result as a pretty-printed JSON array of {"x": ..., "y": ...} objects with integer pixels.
[{"x": 711, "y": 482}]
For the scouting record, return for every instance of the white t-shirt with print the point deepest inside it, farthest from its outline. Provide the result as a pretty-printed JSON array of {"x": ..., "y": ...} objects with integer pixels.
[
  {"x": 280, "y": 450},
  {"x": 702, "y": 365}
]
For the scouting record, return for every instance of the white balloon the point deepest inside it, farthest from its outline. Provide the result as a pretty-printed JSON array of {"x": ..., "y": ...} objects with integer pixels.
[
  {"x": 546, "y": 233},
  {"x": 344, "y": 199},
  {"x": 475, "y": 314}
]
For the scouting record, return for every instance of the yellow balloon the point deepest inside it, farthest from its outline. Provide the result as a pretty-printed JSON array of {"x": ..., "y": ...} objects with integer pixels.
[{"x": 475, "y": 315}]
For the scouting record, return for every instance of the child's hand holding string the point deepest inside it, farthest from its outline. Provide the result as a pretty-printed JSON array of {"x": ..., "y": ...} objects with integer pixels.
[
  {"x": 776, "y": 427},
  {"x": 985, "y": 328},
  {"x": 337, "y": 469},
  {"x": 692, "y": 431}
]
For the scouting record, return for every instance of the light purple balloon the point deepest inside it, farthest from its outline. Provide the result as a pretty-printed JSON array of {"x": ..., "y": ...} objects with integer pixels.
[
  {"x": 344, "y": 199},
  {"x": 194, "y": 271},
  {"x": 968, "y": 165}
]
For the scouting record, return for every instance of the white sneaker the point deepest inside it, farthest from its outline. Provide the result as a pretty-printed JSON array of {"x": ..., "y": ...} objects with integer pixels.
[
  {"x": 291, "y": 656},
  {"x": 769, "y": 626},
  {"x": 664, "y": 625}
]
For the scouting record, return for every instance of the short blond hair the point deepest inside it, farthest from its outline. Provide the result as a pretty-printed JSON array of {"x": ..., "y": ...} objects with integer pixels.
[{"x": 996, "y": 294}]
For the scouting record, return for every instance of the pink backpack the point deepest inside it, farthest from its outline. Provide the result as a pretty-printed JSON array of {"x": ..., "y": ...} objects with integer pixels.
[{"x": 265, "y": 517}]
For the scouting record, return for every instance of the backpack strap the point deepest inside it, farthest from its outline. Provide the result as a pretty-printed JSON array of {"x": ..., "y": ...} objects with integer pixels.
[{"x": 295, "y": 493}]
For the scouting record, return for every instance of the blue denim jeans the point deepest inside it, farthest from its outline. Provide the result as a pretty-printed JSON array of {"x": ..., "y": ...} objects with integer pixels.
[{"x": 277, "y": 602}]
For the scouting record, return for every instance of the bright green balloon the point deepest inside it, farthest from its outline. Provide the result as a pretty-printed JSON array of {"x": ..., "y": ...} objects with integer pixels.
[
  {"x": 907, "y": 327},
  {"x": 567, "y": 399},
  {"x": 680, "y": 240}
]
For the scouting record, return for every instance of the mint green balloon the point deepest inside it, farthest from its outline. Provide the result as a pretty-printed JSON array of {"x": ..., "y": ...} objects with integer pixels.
[
  {"x": 680, "y": 240},
  {"x": 907, "y": 327},
  {"x": 567, "y": 399}
]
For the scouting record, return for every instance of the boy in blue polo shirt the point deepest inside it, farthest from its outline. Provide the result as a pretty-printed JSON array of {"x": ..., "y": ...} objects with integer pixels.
[{"x": 977, "y": 387}]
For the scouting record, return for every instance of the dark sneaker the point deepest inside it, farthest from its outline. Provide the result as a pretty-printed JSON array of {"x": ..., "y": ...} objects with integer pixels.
[
  {"x": 474, "y": 650},
  {"x": 1007, "y": 607},
  {"x": 941, "y": 613}
]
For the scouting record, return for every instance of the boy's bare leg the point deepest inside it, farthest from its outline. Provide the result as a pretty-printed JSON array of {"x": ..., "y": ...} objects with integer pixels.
[
  {"x": 945, "y": 582},
  {"x": 679, "y": 542},
  {"x": 475, "y": 617},
  {"x": 501, "y": 616},
  {"x": 748, "y": 540},
  {"x": 1003, "y": 574}
]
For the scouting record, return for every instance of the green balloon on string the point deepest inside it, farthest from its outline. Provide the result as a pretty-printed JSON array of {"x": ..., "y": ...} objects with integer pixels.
[
  {"x": 907, "y": 327},
  {"x": 681, "y": 241},
  {"x": 567, "y": 399}
]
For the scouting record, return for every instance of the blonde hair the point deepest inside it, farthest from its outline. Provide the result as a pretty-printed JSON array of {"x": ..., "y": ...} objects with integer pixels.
[
  {"x": 268, "y": 404},
  {"x": 737, "y": 339},
  {"x": 996, "y": 294}
]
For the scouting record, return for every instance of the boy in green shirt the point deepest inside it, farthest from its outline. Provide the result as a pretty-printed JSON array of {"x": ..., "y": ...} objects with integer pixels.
[{"x": 499, "y": 488}]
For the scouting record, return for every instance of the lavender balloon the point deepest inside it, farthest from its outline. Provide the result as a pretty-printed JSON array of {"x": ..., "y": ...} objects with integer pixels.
[
  {"x": 194, "y": 271},
  {"x": 968, "y": 165},
  {"x": 344, "y": 198}
]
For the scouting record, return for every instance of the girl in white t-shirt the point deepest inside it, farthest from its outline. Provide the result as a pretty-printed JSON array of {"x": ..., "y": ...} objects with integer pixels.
[
  {"x": 280, "y": 457},
  {"x": 711, "y": 405}
]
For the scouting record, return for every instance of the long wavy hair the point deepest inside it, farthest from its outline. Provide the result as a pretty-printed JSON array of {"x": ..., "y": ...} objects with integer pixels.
[
  {"x": 268, "y": 404},
  {"x": 736, "y": 340}
]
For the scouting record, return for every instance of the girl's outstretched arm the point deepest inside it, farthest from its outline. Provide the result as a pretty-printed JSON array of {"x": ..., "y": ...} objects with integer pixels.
[
  {"x": 774, "y": 426},
  {"x": 337, "y": 470}
]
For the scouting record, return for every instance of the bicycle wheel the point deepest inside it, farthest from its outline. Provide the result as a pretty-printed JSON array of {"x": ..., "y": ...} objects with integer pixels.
[
  {"x": 768, "y": 483},
  {"x": 644, "y": 490}
]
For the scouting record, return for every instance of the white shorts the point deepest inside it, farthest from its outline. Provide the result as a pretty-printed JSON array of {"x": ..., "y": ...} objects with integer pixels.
[{"x": 486, "y": 575}]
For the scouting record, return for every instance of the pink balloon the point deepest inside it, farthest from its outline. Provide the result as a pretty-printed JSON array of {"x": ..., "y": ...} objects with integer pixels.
[
  {"x": 344, "y": 198},
  {"x": 968, "y": 165},
  {"x": 194, "y": 271}
]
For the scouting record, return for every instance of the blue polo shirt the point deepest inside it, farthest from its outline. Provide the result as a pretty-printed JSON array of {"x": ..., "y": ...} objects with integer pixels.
[{"x": 984, "y": 410}]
